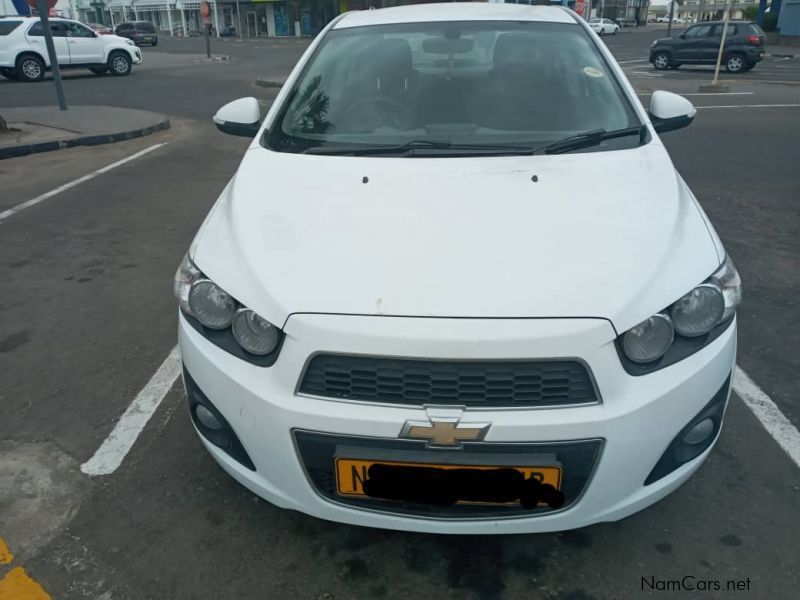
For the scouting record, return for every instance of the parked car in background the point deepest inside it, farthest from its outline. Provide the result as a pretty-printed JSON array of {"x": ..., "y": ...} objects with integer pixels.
[
  {"x": 662, "y": 19},
  {"x": 699, "y": 45},
  {"x": 101, "y": 29},
  {"x": 141, "y": 32},
  {"x": 604, "y": 26},
  {"x": 23, "y": 55}
]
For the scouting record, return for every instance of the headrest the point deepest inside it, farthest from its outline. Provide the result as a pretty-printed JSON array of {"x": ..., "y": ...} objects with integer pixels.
[{"x": 390, "y": 59}]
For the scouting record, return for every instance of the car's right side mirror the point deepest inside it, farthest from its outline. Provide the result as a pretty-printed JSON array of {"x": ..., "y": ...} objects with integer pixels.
[
  {"x": 240, "y": 117},
  {"x": 669, "y": 111}
]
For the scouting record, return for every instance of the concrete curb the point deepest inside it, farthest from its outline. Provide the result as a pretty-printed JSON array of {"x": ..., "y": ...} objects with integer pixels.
[
  {"x": 86, "y": 140},
  {"x": 781, "y": 55},
  {"x": 217, "y": 58},
  {"x": 269, "y": 83}
]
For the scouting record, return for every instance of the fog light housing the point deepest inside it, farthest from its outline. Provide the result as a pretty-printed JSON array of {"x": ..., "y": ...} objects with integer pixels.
[
  {"x": 206, "y": 417},
  {"x": 210, "y": 423},
  {"x": 695, "y": 437},
  {"x": 700, "y": 432}
]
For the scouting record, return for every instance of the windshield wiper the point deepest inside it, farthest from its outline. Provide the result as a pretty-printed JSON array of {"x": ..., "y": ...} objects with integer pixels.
[
  {"x": 591, "y": 138},
  {"x": 421, "y": 148}
]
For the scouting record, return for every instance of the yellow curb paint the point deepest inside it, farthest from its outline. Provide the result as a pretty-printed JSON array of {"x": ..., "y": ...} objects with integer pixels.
[
  {"x": 16, "y": 585},
  {"x": 5, "y": 554}
]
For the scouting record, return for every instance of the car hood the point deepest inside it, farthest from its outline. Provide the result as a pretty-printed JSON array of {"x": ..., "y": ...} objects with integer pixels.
[{"x": 613, "y": 234}]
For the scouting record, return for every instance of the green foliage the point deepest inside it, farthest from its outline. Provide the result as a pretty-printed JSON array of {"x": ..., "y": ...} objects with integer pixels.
[
  {"x": 770, "y": 22},
  {"x": 749, "y": 13}
]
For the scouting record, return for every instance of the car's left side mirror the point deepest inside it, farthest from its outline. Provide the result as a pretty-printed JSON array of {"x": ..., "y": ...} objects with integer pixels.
[
  {"x": 240, "y": 117},
  {"x": 669, "y": 111}
]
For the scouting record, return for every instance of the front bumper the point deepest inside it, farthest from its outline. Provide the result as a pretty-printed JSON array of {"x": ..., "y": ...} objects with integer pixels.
[{"x": 635, "y": 421}]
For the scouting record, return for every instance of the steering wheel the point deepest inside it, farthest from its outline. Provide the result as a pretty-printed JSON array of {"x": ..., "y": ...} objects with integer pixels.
[{"x": 381, "y": 111}]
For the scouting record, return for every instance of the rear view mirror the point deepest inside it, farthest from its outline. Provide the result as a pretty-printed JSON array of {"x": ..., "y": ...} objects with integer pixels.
[
  {"x": 240, "y": 117},
  {"x": 437, "y": 45},
  {"x": 669, "y": 111}
]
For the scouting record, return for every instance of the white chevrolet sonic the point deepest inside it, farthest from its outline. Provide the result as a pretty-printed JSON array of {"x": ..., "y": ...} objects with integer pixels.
[{"x": 412, "y": 308}]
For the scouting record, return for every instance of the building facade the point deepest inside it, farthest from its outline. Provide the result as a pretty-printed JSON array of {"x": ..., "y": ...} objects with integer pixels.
[{"x": 704, "y": 10}]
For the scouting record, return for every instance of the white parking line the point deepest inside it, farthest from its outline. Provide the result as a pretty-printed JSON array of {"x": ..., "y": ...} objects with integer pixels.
[
  {"x": 771, "y": 417},
  {"x": 625, "y": 62},
  {"x": 34, "y": 201},
  {"x": 116, "y": 446}
]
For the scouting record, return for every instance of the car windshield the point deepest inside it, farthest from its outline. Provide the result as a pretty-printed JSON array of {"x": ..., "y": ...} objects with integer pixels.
[{"x": 455, "y": 83}]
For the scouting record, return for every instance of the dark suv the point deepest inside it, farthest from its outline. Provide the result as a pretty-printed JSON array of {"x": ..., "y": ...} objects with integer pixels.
[
  {"x": 699, "y": 45},
  {"x": 141, "y": 32}
]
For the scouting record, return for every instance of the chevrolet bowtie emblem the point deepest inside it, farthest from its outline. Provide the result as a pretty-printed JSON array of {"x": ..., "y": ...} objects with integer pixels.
[{"x": 444, "y": 433}]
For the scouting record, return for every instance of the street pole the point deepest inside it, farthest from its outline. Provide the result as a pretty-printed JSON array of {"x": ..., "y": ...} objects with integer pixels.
[
  {"x": 671, "y": 16},
  {"x": 205, "y": 12},
  {"x": 721, "y": 44},
  {"x": 238, "y": 21},
  {"x": 51, "y": 53}
]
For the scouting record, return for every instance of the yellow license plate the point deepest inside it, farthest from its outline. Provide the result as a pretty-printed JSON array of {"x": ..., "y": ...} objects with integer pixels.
[{"x": 351, "y": 473}]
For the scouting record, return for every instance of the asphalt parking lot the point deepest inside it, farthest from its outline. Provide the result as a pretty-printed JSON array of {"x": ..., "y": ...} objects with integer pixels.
[{"x": 87, "y": 320}]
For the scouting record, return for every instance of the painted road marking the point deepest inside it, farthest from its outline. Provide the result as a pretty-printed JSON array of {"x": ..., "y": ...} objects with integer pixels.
[
  {"x": 625, "y": 62},
  {"x": 751, "y": 106},
  {"x": 34, "y": 201},
  {"x": 5, "y": 554},
  {"x": 766, "y": 411},
  {"x": 116, "y": 446},
  {"x": 16, "y": 585}
]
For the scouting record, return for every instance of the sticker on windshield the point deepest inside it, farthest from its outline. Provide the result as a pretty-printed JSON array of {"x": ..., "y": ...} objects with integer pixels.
[{"x": 592, "y": 72}]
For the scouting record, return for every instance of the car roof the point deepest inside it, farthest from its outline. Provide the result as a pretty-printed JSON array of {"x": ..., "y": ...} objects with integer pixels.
[{"x": 455, "y": 11}]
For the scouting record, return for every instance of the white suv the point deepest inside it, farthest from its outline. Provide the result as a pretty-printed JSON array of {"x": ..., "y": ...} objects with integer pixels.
[{"x": 23, "y": 52}]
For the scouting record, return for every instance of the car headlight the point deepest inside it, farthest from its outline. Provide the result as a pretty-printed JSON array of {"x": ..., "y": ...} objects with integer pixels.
[
  {"x": 699, "y": 311},
  {"x": 222, "y": 320},
  {"x": 649, "y": 340},
  {"x": 211, "y": 305},
  {"x": 186, "y": 275},
  {"x": 255, "y": 334},
  {"x": 728, "y": 280},
  {"x": 690, "y": 323}
]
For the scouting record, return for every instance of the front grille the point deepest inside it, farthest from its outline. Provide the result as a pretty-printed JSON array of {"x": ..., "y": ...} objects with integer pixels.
[
  {"x": 319, "y": 450},
  {"x": 462, "y": 383}
]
